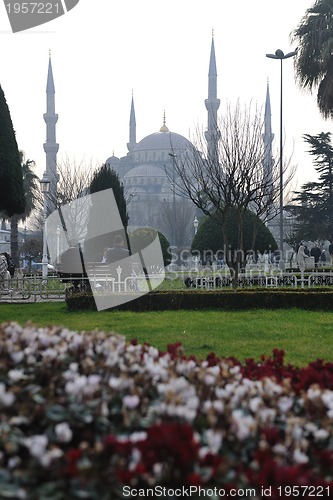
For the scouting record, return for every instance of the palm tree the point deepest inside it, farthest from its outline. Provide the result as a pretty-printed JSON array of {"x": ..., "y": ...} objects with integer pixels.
[
  {"x": 31, "y": 194},
  {"x": 314, "y": 61}
]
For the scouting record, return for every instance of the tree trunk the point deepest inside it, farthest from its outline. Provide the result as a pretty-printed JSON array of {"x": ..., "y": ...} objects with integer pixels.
[
  {"x": 229, "y": 258},
  {"x": 14, "y": 243}
]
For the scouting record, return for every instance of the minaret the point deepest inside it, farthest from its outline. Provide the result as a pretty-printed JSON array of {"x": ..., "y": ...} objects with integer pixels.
[
  {"x": 132, "y": 128},
  {"x": 268, "y": 137},
  {"x": 50, "y": 146},
  {"x": 212, "y": 105}
]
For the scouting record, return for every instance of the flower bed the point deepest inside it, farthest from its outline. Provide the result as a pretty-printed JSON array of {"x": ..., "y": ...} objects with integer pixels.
[{"x": 89, "y": 415}]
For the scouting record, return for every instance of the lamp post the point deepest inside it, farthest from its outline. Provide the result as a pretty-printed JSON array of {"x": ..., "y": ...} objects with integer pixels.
[
  {"x": 280, "y": 55},
  {"x": 174, "y": 233},
  {"x": 195, "y": 224},
  {"x": 58, "y": 244},
  {"x": 45, "y": 188}
]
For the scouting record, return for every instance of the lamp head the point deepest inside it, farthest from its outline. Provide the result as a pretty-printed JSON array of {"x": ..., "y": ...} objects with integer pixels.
[
  {"x": 44, "y": 183},
  {"x": 279, "y": 54}
]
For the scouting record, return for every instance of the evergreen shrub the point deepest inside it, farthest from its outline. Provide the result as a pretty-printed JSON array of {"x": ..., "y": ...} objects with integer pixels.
[{"x": 309, "y": 299}]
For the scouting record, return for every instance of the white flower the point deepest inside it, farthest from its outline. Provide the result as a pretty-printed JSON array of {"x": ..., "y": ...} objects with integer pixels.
[
  {"x": 280, "y": 449},
  {"x": 16, "y": 375},
  {"x": 217, "y": 405},
  {"x": 267, "y": 415},
  {"x": 285, "y": 404},
  {"x": 104, "y": 409},
  {"x": 131, "y": 401},
  {"x": 50, "y": 353},
  {"x": 209, "y": 379},
  {"x": 14, "y": 462},
  {"x": 114, "y": 382},
  {"x": 243, "y": 424},
  {"x": 327, "y": 398},
  {"x": 255, "y": 403},
  {"x": 321, "y": 434},
  {"x": 300, "y": 457},
  {"x": 157, "y": 469},
  {"x": 297, "y": 432},
  {"x": 135, "y": 459},
  {"x": 138, "y": 436},
  {"x": 63, "y": 432},
  {"x": 18, "y": 420},
  {"x": 36, "y": 444},
  {"x": 92, "y": 384},
  {"x": 6, "y": 398},
  {"x": 310, "y": 427},
  {"x": 213, "y": 439},
  {"x": 17, "y": 356},
  {"x": 46, "y": 459},
  {"x": 76, "y": 386},
  {"x": 313, "y": 393},
  {"x": 31, "y": 360}
]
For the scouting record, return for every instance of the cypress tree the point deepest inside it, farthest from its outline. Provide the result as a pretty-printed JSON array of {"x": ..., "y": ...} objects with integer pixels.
[
  {"x": 12, "y": 199},
  {"x": 104, "y": 178}
]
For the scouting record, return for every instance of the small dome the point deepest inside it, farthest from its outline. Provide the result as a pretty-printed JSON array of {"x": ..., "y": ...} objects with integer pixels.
[
  {"x": 145, "y": 170},
  {"x": 112, "y": 161}
]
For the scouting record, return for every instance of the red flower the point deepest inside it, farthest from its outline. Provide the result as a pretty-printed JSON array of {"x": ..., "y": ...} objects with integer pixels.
[
  {"x": 72, "y": 456},
  {"x": 169, "y": 443},
  {"x": 272, "y": 434},
  {"x": 193, "y": 479}
]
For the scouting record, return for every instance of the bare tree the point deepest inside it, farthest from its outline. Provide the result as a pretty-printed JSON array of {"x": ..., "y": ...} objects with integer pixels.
[
  {"x": 176, "y": 220},
  {"x": 234, "y": 178},
  {"x": 74, "y": 180}
]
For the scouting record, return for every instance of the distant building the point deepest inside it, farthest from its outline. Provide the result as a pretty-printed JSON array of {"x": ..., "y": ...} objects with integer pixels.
[{"x": 4, "y": 240}]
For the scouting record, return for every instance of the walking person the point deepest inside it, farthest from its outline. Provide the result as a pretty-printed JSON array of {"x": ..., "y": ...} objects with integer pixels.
[
  {"x": 316, "y": 254},
  {"x": 323, "y": 258},
  {"x": 330, "y": 251},
  {"x": 301, "y": 258}
]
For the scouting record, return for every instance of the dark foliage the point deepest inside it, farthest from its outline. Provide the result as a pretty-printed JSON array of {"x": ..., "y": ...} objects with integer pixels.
[
  {"x": 12, "y": 199},
  {"x": 210, "y": 236},
  {"x": 142, "y": 237}
]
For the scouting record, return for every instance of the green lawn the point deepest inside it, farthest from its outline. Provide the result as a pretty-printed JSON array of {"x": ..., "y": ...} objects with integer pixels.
[{"x": 304, "y": 335}]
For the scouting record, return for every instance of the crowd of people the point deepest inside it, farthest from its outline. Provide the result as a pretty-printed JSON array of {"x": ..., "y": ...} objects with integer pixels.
[{"x": 318, "y": 254}]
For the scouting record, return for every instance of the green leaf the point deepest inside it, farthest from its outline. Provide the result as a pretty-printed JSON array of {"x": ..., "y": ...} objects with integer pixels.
[{"x": 57, "y": 413}]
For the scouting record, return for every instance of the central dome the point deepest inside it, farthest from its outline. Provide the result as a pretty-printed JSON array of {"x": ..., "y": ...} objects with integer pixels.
[{"x": 163, "y": 140}]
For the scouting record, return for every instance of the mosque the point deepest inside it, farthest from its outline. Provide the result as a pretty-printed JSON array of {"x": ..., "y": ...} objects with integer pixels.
[{"x": 147, "y": 170}]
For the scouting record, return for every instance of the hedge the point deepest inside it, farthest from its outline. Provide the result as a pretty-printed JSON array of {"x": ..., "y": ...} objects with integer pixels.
[{"x": 310, "y": 299}]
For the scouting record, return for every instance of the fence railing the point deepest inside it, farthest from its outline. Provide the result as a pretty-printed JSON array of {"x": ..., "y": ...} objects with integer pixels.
[{"x": 34, "y": 288}]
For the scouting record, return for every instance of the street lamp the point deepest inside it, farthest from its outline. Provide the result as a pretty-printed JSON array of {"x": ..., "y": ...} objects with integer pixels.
[
  {"x": 45, "y": 188},
  {"x": 280, "y": 55},
  {"x": 195, "y": 224},
  {"x": 174, "y": 233}
]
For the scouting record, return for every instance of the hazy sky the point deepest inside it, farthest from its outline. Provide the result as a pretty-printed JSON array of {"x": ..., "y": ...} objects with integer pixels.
[{"x": 102, "y": 50}]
